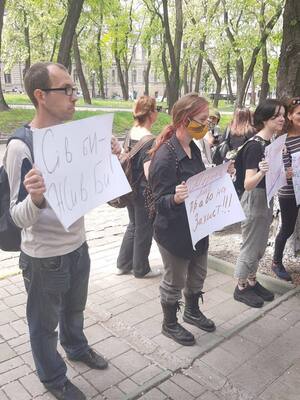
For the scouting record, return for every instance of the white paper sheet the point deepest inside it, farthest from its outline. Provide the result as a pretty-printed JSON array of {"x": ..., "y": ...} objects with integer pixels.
[{"x": 78, "y": 167}]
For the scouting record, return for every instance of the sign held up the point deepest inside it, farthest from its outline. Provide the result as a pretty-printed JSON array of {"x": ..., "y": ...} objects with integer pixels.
[
  {"x": 275, "y": 177},
  {"x": 212, "y": 202},
  {"x": 78, "y": 168},
  {"x": 296, "y": 175}
]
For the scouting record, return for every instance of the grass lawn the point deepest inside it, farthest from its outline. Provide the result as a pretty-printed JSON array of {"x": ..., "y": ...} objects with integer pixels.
[
  {"x": 13, "y": 98},
  {"x": 10, "y": 120}
]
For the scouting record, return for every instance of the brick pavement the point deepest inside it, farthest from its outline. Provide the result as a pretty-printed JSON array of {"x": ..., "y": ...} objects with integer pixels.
[{"x": 259, "y": 361}]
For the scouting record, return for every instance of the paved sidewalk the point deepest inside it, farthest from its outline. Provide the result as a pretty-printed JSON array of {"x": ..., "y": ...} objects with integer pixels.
[{"x": 253, "y": 355}]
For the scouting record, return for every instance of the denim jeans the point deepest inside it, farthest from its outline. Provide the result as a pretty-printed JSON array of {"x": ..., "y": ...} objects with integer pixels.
[
  {"x": 136, "y": 244},
  {"x": 57, "y": 293}
]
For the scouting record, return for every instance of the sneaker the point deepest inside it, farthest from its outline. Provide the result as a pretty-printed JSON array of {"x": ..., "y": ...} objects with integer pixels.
[
  {"x": 281, "y": 272},
  {"x": 150, "y": 274},
  {"x": 248, "y": 296},
  {"x": 92, "y": 360},
  {"x": 262, "y": 292},
  {"x": 67, "y": 391}
]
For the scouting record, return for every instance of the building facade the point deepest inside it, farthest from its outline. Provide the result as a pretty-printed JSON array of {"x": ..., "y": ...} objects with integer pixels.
[{"x": 12, "y": 81}]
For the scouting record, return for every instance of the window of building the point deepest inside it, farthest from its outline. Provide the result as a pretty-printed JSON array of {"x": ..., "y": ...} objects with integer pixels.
[{"x": 7, "y": 77}]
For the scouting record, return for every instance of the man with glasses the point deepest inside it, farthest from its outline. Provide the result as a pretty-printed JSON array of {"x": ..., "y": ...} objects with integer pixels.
[{"x": 55, "y": 263}]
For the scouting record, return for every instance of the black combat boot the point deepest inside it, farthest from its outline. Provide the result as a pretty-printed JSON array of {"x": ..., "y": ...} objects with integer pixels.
[
  {"x": 192, "y": 314},
  {"x": 172, "y": 329}
]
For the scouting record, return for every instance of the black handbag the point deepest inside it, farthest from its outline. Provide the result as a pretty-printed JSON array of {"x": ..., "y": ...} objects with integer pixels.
[{"x": 220, "y": 151}]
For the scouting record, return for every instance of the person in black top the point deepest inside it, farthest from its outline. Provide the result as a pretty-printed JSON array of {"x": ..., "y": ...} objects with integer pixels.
[
  {"x": 136, "y": 244},
  {"x": 175, "y": 158},
  {"x": 286, "y": 195},
  {"x": 269, "y": 118}
]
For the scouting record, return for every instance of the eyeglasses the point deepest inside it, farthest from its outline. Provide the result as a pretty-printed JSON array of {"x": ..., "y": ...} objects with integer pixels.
[
  {"x": 69, "y": 91},
  {"x": 295, "y": 101}
]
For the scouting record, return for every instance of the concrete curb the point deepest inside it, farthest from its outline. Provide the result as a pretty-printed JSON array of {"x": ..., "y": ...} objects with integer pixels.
[{"x": 273, "y": 284}]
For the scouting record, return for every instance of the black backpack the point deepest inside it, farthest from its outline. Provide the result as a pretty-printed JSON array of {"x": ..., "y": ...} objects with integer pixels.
[
  {"x": 10, "y": 234},
  {"x": 237, "y": 156}
]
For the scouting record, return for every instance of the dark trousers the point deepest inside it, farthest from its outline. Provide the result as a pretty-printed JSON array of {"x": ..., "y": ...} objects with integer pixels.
[
  {"x": 289, "y": 214},
  {"x": 136, "y": 244},
  {"x": 181, "y": 273},
  {"x": 57, "y": 292}
]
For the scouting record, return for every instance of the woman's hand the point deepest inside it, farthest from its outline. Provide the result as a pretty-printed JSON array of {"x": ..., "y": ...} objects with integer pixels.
[
  {"x": 289, "y": 173},
  {"x": 231, "y": 170},
  {"x": 115, "y": 146},
  {"x": 181, "y": 193},
  {"x": 263, "y": 166},
  {"x": 35, "y": 186}
]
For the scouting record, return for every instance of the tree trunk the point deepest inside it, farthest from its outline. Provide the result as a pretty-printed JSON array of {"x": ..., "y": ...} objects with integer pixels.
[
  {"x": 229, "y": 84},
  {"x": 174, "y": 50},
  {"x": 240, "y": 93},
  {"x": 288, "y": 73},
  {"x": 146, "y": 74},
  {"x": 79, "y": 70},
  {"x": 253, "y": 93},
  {"x": 3, "y": 105},
  {"x": 218, "y": 80},
  {"x": 74, "y": 11},
  {"x": 185, "y": 78},
  {"x": 192, "y": 71},
  {"x": 100, "y": 69},
  {"x": 124, "y": 88},
  {"x": 264, "y": 86},
  {"x": 199, "y": 66},
  {"x": 27, "y": 44}
]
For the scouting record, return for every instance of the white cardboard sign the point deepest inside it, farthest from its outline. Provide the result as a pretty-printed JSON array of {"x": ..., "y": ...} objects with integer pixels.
[
  {"x": 79, "y": 170},
  {"x": 296, "y": 175},
  {"x": 275, "y": 177},
  {"x": 212, "y": 202}
]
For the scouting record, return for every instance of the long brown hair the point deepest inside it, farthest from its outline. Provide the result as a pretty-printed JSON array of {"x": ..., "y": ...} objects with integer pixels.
[
  {"x": 142, "y": 109},
  {"x": 183, "y": 110},
  {"x": 292, "y": 104},
  {"x": 241, "y": 123}
]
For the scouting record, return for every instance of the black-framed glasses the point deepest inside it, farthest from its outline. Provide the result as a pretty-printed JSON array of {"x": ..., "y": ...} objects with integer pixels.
[
  {"x": 69, "y": 90},
  {"x": 295, "y": 101}
]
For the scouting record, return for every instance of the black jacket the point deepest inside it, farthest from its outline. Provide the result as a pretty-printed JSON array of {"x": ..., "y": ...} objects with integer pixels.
[{"x": 170, "y": 166}]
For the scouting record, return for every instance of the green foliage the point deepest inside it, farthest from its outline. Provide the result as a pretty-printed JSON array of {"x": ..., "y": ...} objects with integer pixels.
[
  {"x": 124, "y": 22},
  {"x": 10, "y": 120}
]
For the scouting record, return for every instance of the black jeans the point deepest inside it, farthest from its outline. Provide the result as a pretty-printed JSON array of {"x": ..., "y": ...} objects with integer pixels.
[
  {"x": 289, "y": 214},
  {"x": 57, "y": 293},
  {"x": 136, "y": 244}
]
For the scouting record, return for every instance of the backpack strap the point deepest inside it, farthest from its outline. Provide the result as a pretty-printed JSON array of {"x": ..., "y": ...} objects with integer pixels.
[
  {"x": 24, "y": 134},
  {"x": 139, "y": 145}
]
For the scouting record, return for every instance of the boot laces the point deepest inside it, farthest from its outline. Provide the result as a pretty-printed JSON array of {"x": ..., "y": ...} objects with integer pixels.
[{"x": 179, "y": 305}]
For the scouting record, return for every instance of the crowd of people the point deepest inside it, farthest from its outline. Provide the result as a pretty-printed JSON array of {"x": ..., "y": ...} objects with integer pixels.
[{"x": 55, "y": 263}]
